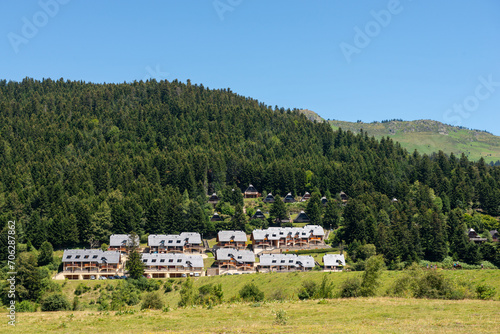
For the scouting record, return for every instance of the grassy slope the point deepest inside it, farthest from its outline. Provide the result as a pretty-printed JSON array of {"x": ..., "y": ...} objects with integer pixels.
[
  {"x": 431, "y": 136},
  {"x": 361, "y": 315}
]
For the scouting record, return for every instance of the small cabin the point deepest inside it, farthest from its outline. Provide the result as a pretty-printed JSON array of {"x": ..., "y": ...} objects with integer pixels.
[
  {"x": 269, "y": 198},
  {"x": 306, "y": 197},
  {"x": 302, "y": 218},
  {"x": 324, "y": 201},
  {"x": 214, "y": 199},
  {"x": 216, "y": 217},
  {"x": 473, "y": 236},
  {"x": 258, "y": 215},
  {"x": 494, "y": 235},
  {"x": 251, "y": 192},
  {"x": 289, "y": 198},
  {"x": 343, "y": 196}
]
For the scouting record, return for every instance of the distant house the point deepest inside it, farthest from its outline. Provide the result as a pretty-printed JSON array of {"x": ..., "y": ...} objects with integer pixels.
[
  {"x": 251, "y": 192},
  {"x": 324, "y": 201},
  {"x": 306, "y": 197},
  {"x": 214, "y": 199},
  {"x": 289, "y": 198},
  {"x": 494, "y": 235},
  {"x": 258, "y": 215},
  {"x": 269, "y": 198},
  {"x": 163, "y": 265},
  {"x": 285, "y": 263},
  {"x": 283, "y": 237},
  {"x": 186, "y": 242},
  {"x": 333, "y": 262},
  {"x": 233, "y": 259},
  {"x": 343, "y": 196},
  {"x": 90, "y": 263},
  {"x": 216, "y": 217},
  {"x": 473, "y": 236},
  {"x": 301, "y": 218},
  {"x": 121, "y": 242},
  {"x": 231, "y": 239}
]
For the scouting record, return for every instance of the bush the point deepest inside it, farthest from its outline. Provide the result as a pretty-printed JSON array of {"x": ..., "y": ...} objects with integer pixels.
[
  {"x": 26, "y": 306},
  {"x": 351, "y": 288},
  {"x": 250, "y": 292},
  {"x": 484, "y": 291},
  {"x": 188, "y": 293},
  {"x": 55, "y": 302},
  {"x": 210, "y": 294},
  {"x": 280, "y": 317},
  {"x": 153, "y": 301},
  {"x": 168, "y": 287},
  {"x": 325, "y": 290},
  {"x": 279, "y": 295},
  {"x": 81, "y": 289},
  {"x": 308, "y": 290},
  {"x": 144, "y": 284},
  {"x": 370, "y": 282}
]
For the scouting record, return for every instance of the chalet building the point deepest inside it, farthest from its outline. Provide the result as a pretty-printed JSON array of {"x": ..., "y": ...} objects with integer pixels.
[
  {"x": 289, "y": 198},
  {"x": 91, "y": 263},
  {"x": 251, "y": 192},
  {"x": 231, "y": 239},
  {"x": 121, "y": 242},
  {"x": 343, "y": 196},
  {"x": 324, "y": 201},
  {"x": 186, "y": 242},
  {"x": 228, "y": 259},
  {"x": 283, "y": 237},
  {"x": 216, "y": 218},
  {"x": 306, "y": 197},
  {"x": 214, "y": 199},
  {"x": 494, "y": 235},
  {"x": 473, "y": 236},
  {"x": 166, "y": 265},
  {"x": 302, "y": 218},
  {"x": 285, "y": 263},
  {"x": 333, "y": 262},
  {"x": 269, "y": 198},
  {"x": 258, "y": 215}
]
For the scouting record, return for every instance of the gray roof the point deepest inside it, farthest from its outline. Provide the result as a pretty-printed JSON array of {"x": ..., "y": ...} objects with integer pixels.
[
  {"x": 91, "y": 255},
  {"x": 258, "y": 215},
  {"x": 276, "y": 233},
  {"x": 493, "y": 233},
  {"x": 118, "y": 240},
  {"x": 297, "y": 261},
  {"x": 302, "y": 218},
  {"x": 174, "y": 239},
  {"x": 238, "y": 236},
  {"x": 334, "y": 260},
  {"x": 251, "y": 189},
  {"x": 238, "y": 255},
  {"x": 169, "y": 259}
]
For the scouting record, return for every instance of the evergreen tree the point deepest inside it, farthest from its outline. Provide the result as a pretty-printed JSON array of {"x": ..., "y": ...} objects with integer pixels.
[
  {"x": 46, "y": 254},
  {"x": 278, "y": 209},
  {"x": 134, "y": 264},
  {"x": 314, "y": 209}
]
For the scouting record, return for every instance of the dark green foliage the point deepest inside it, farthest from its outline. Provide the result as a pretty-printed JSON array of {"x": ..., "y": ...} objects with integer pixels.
[
  {"x": 188, "y": 293},
  {"x": 81, "y": 289},
  {"x": 55, "y": 302},
  {"x": 26, "y": 306},
  {"x": 46, "y": 254},
  {"x": 29, "y": 278},
  {"x": 371, "y": 275},
  {"x": 351, "y": 288},
  {"x": 314, "y": 209},
  {"x": 251, "y": 292},
  {"x": 152, "y": 301},
  {"x": 210, "y": 294},
  {"x": 484, "y": 291},
  {"x": 144, "y": 284},
  {"x": 278, "y": 209},
  {"x": 307, "y": 290},
  {"x": 135, "y": 266}
]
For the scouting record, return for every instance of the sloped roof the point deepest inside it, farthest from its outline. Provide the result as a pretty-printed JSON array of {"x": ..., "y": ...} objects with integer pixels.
[
  {"x": 305, "y": 197},
  {"x": 269, "y": 198},
  {"x": 216, "y": 217},
  {"x": 302, "y": 218},
  {"x": 493, "y": 233},
  {"x": 276, "y": 233},
  {"x": 334, "y": 260},
  {"x": 258, "y": 215},
  {"x": 238, "y": 236},
  {"x": 170, "y": 259},
  {"x": 251, "y": 189},
  {"x": 119, "y": 240},
  {"x": 324, "y": 200},
  {"x": 213, "y": 198},
  {"x": 91, "y": 255},
  {"x": 289, "y": 198},
  {"x": 290, "y": 260},
  {"x": 243, "y": 255},
  {"x": 174, "y": 239}
]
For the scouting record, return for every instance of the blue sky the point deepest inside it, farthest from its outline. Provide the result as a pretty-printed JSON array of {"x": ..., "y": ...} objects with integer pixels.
[{"x": 368, "y": 61}]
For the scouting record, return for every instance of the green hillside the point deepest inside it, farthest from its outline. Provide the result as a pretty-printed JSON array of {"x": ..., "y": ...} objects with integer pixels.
[{"x": 429, "y": 136}]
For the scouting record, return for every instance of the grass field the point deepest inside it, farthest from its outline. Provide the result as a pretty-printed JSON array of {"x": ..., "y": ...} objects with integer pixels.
[{"x": 361, "y": 315}]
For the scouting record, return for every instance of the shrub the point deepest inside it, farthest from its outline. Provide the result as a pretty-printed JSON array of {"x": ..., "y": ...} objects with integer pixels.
[
  {"x": 81, "y": 289},
  {"x": 144, "y": 284},
  {"x": 280, "y": 317},
  {"x": 153, "y": 301},
  {"x": 308, "y": 290},
  {"x": 250, "y": 292},
  {"x": 26, "y": 306},
  {"x": 188, "y": 293},
  {"x": 325, "y": 290},
  {"x": 484, "y": 291},
  {"x": 168, "y": 287},
  {"x": 370, "y": 282},
  {"x": 210, "y": 294},
  {"x": 55, "y": 302},
  {"x": 76, "y": 304},
  {"x": 351, "y": 288},
  {"x": 278, "y": 294}
]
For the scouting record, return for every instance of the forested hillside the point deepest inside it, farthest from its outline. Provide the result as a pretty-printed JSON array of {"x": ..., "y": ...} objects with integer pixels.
[{"x": 79, "y": 161}]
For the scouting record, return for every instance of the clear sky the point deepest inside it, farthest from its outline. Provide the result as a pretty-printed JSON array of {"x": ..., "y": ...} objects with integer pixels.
[{"x": 346, "y": 60}]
